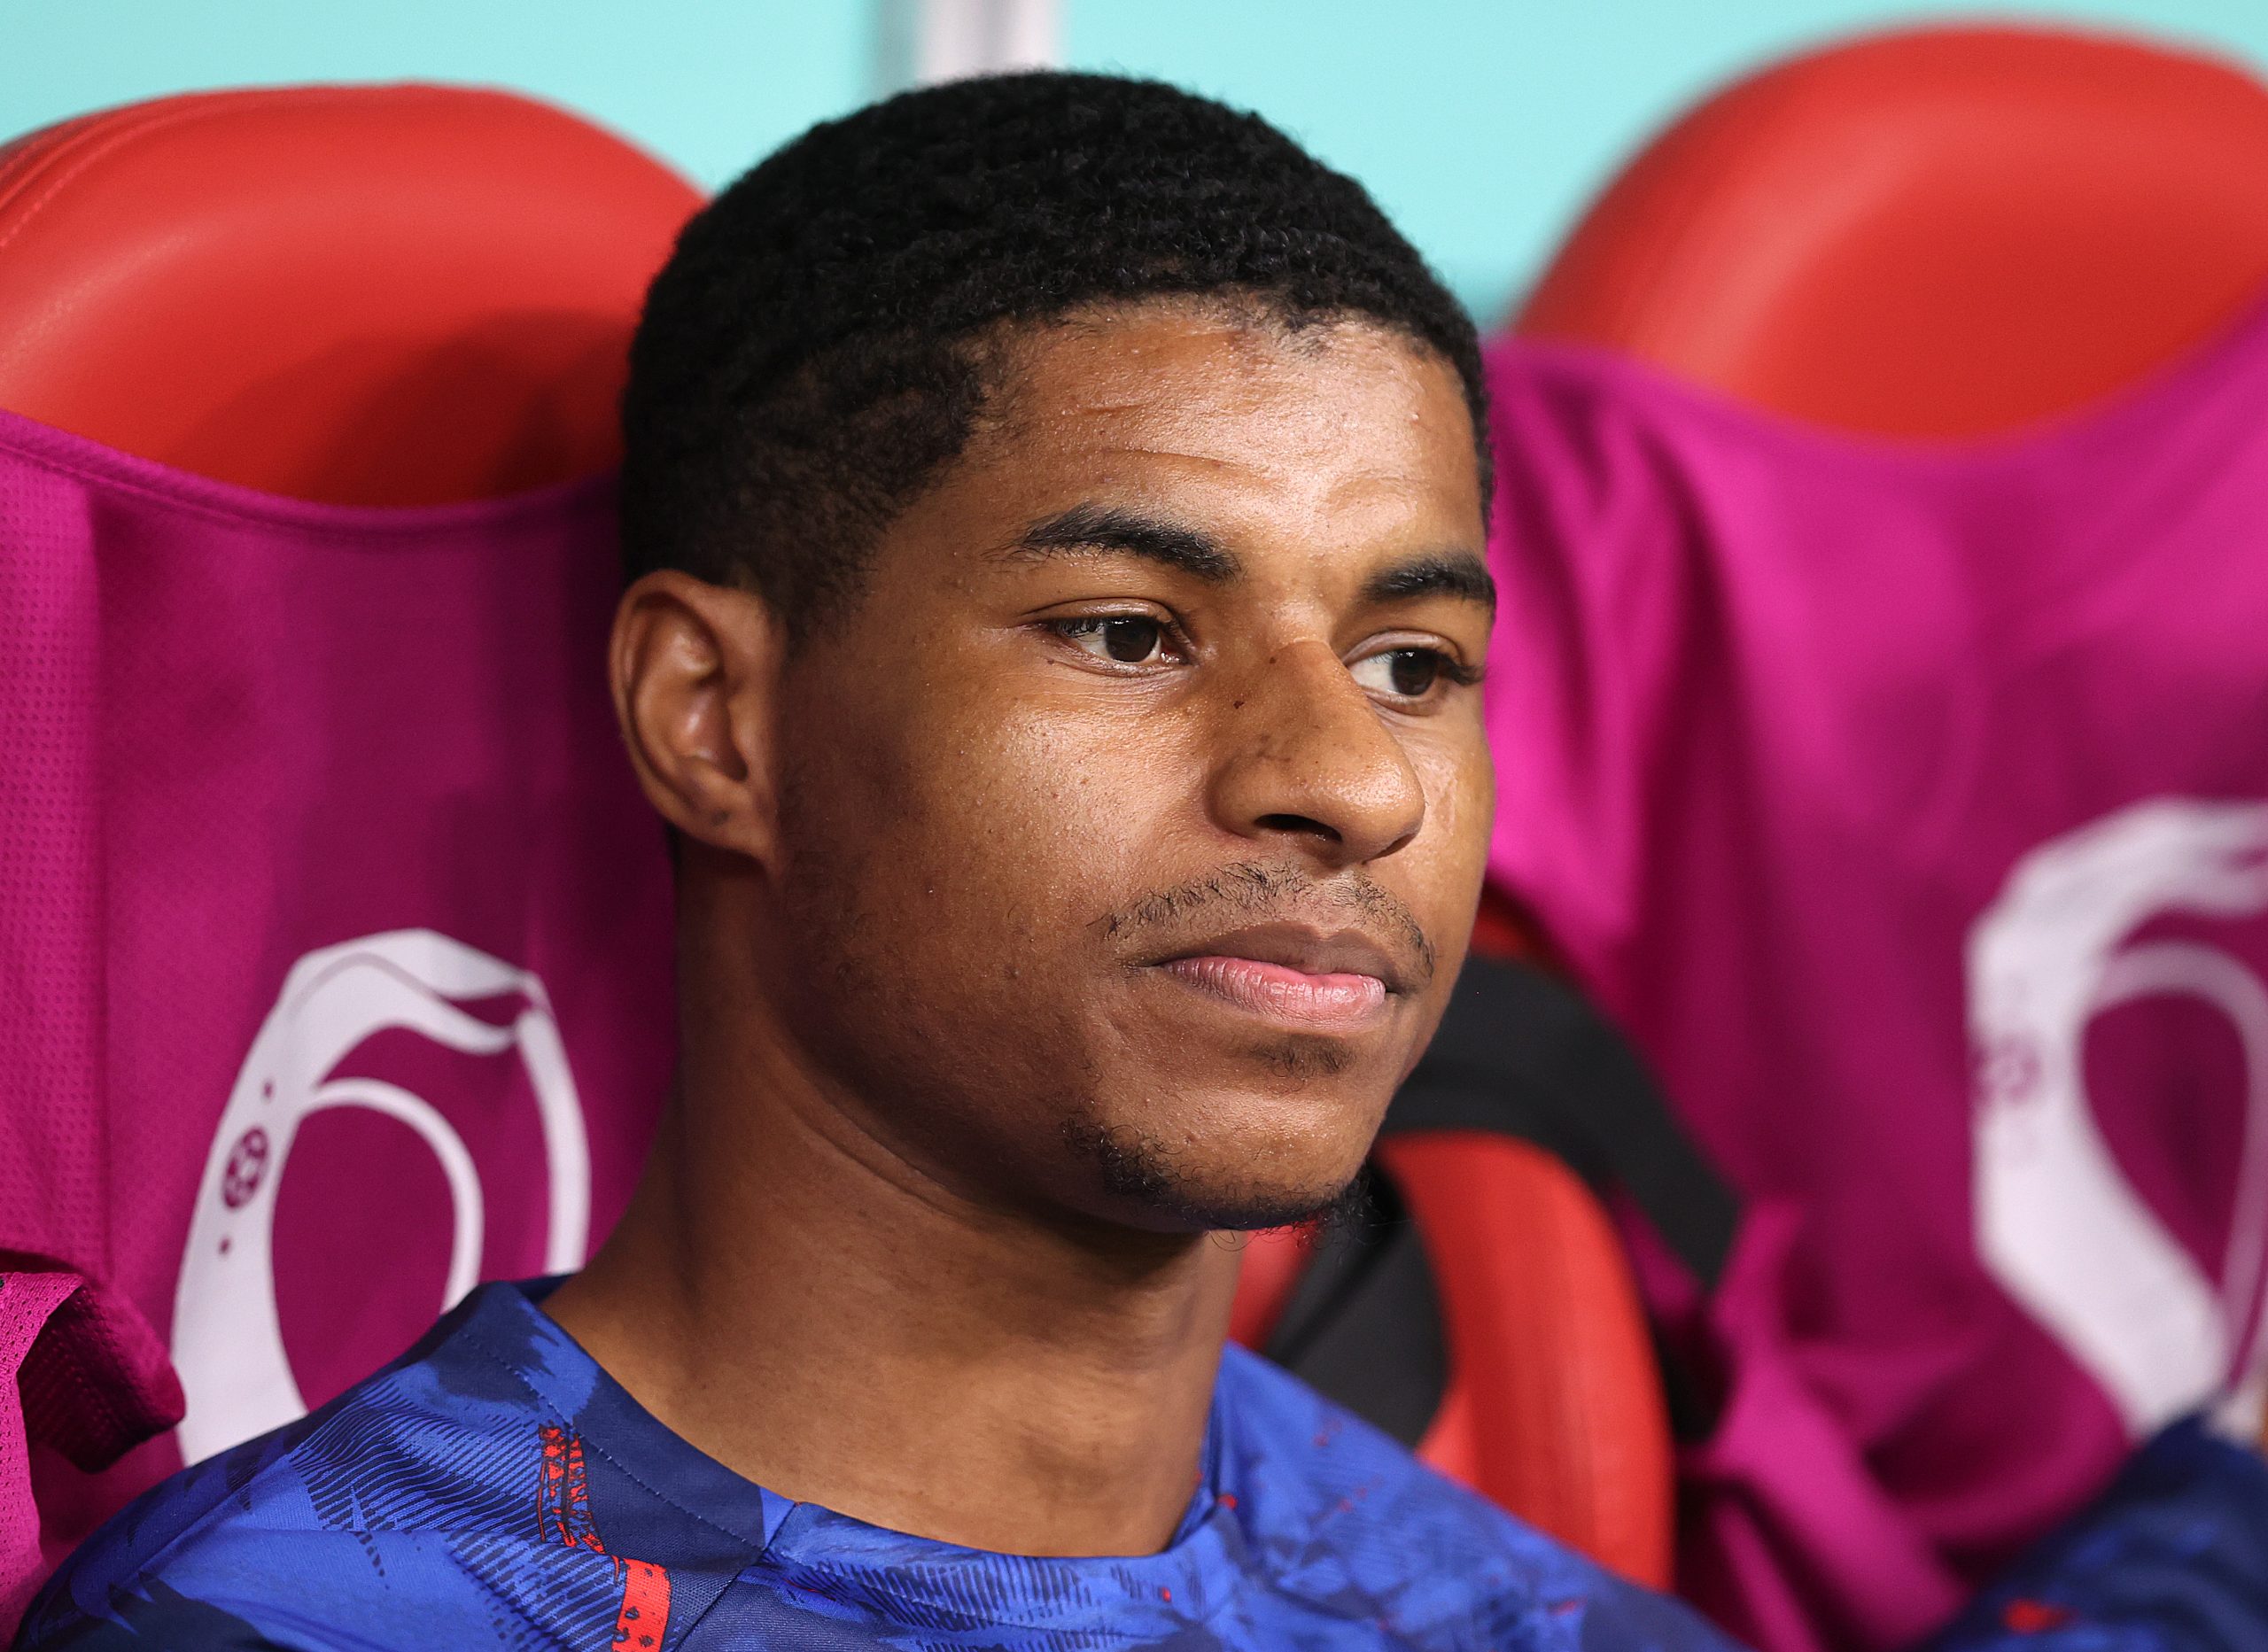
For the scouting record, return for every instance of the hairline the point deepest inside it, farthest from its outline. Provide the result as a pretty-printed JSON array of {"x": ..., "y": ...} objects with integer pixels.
[{"x": 995, "y": 353}]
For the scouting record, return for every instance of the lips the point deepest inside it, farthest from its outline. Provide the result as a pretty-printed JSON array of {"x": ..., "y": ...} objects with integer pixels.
[
  {"x": 1336, "y": 1000},
  {"x": 1288, "y": 972}
]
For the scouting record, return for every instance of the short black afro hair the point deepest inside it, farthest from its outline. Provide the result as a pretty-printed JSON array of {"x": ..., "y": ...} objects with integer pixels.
[{"x": 811, "y": 357}]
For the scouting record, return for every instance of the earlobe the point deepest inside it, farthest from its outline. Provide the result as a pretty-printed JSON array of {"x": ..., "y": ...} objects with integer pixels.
[{"x": 695, "y": 668}]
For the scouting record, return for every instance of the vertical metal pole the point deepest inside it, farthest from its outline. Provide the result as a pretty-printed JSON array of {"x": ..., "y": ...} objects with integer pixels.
[{"x": 921, "y": 41}]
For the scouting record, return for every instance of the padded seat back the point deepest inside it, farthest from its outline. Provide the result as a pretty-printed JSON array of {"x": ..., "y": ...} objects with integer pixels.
[
  {"x": 1942, "y": 232},
  {"x": 359, "y": 295},
  {"x": 1945, "y": 235}
]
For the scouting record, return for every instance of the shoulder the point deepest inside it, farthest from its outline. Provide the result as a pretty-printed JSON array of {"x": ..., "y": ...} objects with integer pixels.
[
  {"x": 1347, "y": 1517},
  {"x": 412, "y": 1499}
]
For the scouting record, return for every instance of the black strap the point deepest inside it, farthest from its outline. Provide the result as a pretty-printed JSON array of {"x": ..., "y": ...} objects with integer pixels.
[
  {"x": 1362, "y": 1326},
  {"x": 1523, "y": 1054}
]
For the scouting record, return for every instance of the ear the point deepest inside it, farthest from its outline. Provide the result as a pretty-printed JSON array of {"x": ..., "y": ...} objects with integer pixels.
[{"x": 695, "y": 670}]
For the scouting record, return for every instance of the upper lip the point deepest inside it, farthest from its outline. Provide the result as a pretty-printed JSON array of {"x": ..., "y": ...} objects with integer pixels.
[{"x": 1305, "y": 948}]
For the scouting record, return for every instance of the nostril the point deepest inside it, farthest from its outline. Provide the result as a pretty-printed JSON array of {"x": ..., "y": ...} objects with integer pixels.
[{"x": 1305, "y": 825}]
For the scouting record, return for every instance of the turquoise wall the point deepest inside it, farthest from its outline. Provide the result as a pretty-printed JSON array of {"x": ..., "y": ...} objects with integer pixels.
[{"x": 1482, "y": 125}]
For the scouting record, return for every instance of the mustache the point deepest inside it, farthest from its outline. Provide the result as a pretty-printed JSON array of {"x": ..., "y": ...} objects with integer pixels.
[{"x": 1255, "y": 890}]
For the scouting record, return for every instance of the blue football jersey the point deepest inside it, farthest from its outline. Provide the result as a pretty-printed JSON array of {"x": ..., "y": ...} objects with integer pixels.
[{"x": 496, "y": 1489}]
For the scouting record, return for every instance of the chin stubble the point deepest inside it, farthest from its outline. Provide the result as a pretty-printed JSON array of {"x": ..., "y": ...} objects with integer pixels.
[{"x": 1137, "y": 1170}]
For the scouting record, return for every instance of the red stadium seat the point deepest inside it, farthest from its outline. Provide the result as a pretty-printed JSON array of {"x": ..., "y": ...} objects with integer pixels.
[
  {"x": 364, "y": 295},
  {"x": 361, "y": 296},
  {"x": 1940, "y": 233},
  {"x": 1555, "y": 1405}
]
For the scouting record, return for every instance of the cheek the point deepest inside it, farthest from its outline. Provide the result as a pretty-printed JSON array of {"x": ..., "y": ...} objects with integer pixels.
[
  {"x": 986, "y": 841},
  {"x": 945, "y": 879},
  {"x": 1460, "y": 783}
]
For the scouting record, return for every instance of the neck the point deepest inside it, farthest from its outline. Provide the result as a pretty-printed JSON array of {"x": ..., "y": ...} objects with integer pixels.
[{"x": 808, "y": 1307}]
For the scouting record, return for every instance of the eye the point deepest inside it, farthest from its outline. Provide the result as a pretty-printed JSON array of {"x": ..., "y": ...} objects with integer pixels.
[
  {"x": 1121, "y": 639},
  {"x": 1405, "y": 673}
]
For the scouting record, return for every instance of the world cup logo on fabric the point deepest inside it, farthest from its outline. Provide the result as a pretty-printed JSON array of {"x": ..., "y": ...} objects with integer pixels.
[
  {"x": 228, "y": 1341},
  {"x": 2059, "y": 1223}
]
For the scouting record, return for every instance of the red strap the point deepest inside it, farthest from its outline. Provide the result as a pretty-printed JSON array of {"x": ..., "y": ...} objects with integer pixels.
[{"x": 1555, "y": 1406}]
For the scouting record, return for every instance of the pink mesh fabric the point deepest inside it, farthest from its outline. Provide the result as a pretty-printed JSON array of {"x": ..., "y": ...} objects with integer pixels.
[
  {"x": 26, "y": 1300},
  {"x": 333, "y": 935},
  {"x": 1910, "y": 809}
]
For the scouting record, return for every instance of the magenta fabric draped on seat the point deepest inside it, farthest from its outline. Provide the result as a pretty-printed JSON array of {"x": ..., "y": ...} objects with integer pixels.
[
  {"x": 333, "y": 942},
  {"x": 1909, "y": 807}
]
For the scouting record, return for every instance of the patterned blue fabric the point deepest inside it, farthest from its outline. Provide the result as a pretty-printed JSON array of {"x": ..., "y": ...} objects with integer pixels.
[
  {"x": 495, "y": 1489},
  {"x": 2174, "y": 1559}
]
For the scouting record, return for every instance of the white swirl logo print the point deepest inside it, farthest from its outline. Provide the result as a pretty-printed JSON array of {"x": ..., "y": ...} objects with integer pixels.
[
  {"x": 228, "y": 1341},
  {"x": 2058, "y": 1224}
]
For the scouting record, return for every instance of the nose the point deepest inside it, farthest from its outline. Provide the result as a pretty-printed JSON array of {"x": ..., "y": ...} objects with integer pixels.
[{"x": 1308, "y": 764}]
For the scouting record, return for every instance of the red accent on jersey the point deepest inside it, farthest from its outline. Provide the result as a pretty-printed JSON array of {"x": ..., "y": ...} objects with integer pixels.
[{"x": 564, "y": 1510}]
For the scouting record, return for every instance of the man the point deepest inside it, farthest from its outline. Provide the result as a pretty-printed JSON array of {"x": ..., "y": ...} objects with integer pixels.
[{"x": 1055, "y": 509}]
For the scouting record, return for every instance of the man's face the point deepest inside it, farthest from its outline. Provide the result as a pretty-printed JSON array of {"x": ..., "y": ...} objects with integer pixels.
[{"x": 1134, "y": 815}]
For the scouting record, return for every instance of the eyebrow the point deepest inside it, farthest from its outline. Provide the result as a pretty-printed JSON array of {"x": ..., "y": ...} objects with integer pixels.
[
  {"x": 1460, "y": 574},
  {"x": 1109, "y": 530},
  {"x": 1114, "y": 530}
]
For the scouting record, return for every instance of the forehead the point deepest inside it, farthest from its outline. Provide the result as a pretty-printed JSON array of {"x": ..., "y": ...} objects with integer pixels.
[{"x": 1343, "y": 422}]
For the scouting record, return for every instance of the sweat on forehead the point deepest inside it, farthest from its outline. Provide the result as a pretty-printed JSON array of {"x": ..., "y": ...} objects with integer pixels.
[{"x": 813, "y": 352}]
